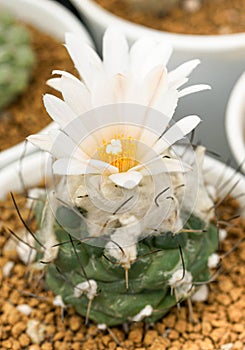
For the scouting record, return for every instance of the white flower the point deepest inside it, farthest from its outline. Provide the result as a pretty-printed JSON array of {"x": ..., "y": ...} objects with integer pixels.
[{"x": 137, "y": 76}]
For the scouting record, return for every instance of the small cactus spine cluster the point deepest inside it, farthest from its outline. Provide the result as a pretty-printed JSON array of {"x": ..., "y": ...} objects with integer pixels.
[{"x": 16, "y": 59}]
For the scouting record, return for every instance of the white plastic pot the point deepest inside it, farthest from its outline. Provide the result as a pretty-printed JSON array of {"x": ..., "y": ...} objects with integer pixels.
[
  {"x": 33, "y": 169},
  {"x": 21, "y": 175},
  {"x": 223, "y": 61},
  {"x": 235, "y": 121},
  {"x": 49, "y": 17}
]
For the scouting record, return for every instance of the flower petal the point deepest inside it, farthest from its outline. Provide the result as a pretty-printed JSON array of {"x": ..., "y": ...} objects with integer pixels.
[
  {"x": 44, "y": 142},
  {"x": 115, "y": 52},
  {"x": 86, "y": 60},
  {"x": 128, "y": 180},
  {"x": 157, "y": 84},
  {"x": 162, "y": 165},
  {"x": 74, "y": 92},
  {"x": 58, "y": 110},
  {"x": 139, "y": 50},
  {"x": 166, "y": 104},
  {"x": 58, "y": 144},
  {"x": 176, "y": 133},
  {"x": 159, "y": 55},
  {"x": 178, "y": 76},
  {"x": 73, "y": 166},
  {"x": 146, "y": 54},
  {"x": 194, "y": 88}
]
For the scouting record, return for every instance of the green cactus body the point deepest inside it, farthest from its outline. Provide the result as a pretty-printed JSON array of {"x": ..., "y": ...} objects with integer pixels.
[
  {"x": 158, "y": 259},
  {"x": 16, "y": 59}
]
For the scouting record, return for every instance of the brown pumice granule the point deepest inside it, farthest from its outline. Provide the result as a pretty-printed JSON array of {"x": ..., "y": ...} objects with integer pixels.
[{"x": 214, "y": 17}]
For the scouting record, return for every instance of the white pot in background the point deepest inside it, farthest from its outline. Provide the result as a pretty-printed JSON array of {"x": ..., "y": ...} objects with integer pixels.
[
  {"x": 235, "y": 121},
  {"x": 32, "y": 170},
  {"x": 223, "y": 61},
  {"x": 49, "y": 17}
]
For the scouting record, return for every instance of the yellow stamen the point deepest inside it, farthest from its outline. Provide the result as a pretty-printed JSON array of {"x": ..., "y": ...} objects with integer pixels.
[{"x": 119, "y": 152}]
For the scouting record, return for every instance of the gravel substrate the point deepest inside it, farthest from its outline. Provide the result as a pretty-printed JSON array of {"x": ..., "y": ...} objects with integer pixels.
[
  {"x": 39, "y": 324},
  {"x": 214, "y": 17}
]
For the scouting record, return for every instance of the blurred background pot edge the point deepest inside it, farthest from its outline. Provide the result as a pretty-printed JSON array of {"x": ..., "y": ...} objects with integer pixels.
[
  {"x": 235, "y": 121},
  {"x": 49, "y": 17},
  {"x": 222, "y": 62}
]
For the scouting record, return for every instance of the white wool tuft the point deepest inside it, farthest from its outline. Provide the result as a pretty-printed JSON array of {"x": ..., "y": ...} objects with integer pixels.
[
  {"x": 58, "y": 301},
  {"x": 122, "y": 246},
  {"x": 88, "y": 287},
  {"x": 7, "y": 268},
  {"x": 177, "y": 279},
  {"x": 181, "y": 283},
  {"x": 201, "y": 294},
  {"x": 146, "y": 312},
  {"x": 222, "y": 234},
  {"x": 213, "y": 261},
  {"x": 102, "y": 327}
]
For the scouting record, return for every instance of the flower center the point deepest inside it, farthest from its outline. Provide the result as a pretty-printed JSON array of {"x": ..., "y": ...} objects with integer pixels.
[{"x": 119, "y": 152}]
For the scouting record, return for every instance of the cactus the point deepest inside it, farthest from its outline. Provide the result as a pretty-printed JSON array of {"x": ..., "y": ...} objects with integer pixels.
[
  {"x": 126, "y": 232},
  {"x": 156, "y": 280},
  {"x": 16, "y": 59},
  {"x": 113, "y": 285}
]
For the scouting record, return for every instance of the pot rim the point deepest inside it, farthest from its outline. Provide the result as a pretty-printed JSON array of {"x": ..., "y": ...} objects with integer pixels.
[
  {"x": 235, "y": 121},
  {"x": 17, "y": 7},
  {"x": 183, "y": 42},
  {"x": 70, "y": 23}
]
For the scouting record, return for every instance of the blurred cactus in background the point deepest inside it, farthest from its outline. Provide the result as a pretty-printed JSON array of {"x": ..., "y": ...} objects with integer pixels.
[{"x": 16, "y": 59}]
